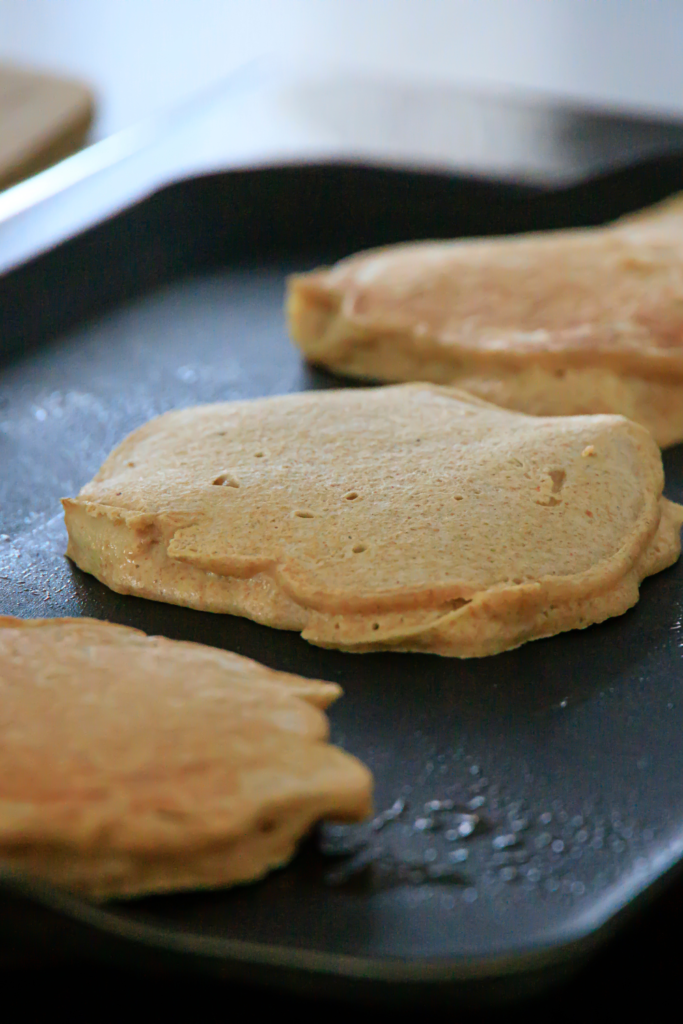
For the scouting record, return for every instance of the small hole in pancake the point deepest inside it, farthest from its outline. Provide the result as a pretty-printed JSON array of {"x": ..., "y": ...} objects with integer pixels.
[
  {"x": 558, "y": 477},
  {"x": 303, "y": 513},
  {"x": 267, "y": 825},
  {"x": 550, "y": 502},
  {"x": 375, "y": 625},
  {"x": 130, "y": 464},
  {"x": 351, "y": 496},
  {"x": 226, "y": 480},
  {"x": 259, "y": 455},
  {"x": 458, "y": 497},
  {"x": 358, "y": 549}
]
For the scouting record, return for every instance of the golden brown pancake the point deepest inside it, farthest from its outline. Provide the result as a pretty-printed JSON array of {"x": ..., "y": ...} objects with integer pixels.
[
  {"x": 133, "y": 764},
  {"x": 555, "y": 323},
  {"x": 409, "y": 518}
]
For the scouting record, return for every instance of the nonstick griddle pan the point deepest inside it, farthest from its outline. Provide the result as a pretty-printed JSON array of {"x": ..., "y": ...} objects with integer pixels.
[{"x": 527, "y": 803}]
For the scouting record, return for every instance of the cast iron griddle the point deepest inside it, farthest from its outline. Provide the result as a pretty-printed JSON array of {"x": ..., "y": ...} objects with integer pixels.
[{"x": 556, "y": 766}]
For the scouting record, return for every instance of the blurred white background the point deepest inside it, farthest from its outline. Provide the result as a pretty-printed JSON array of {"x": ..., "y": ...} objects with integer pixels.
[{"x": 144, "y": 55}]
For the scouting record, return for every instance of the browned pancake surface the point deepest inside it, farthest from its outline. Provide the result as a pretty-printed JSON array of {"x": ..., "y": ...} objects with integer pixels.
[
  {"x": 363, "y": 517},
  {"x": 556, "y": 323},
  {"x": 133, "y": 764}
]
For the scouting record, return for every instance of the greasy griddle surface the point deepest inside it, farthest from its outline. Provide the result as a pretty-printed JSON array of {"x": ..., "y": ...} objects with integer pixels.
[{"x": 572, "y": 742}]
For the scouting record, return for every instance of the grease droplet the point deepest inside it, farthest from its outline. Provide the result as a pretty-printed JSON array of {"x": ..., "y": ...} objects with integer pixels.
[
  {"x": 465, "y": 828},
  {"x": 438, "y": 805},
  {"x": 500, "y": 842},
  {"x": 519, "y": 824},
  {"x": 458, "y": 856},
  {"x": 424, "y": 824}
]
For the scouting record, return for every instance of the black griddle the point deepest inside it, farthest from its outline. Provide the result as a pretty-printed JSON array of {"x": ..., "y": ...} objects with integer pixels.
[{"x": 563, "y": 756}]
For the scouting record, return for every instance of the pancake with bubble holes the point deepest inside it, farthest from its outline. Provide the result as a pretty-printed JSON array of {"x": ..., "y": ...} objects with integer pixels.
[
  {"x": 133, "y": 764},
  {"x": 410, "y": 518},
  {"x": 555, "y": 323}
]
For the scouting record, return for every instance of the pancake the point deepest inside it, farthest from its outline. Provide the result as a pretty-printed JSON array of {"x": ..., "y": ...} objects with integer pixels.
[
  {"x": 408, "y": 518},
  {"x": 552, "y": 324},
  {"x": 133, "y": 764}
]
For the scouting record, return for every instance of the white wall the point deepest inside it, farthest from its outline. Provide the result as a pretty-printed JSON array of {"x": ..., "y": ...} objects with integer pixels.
[{"x": 145, "y": 54}]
